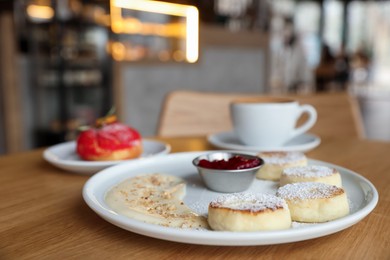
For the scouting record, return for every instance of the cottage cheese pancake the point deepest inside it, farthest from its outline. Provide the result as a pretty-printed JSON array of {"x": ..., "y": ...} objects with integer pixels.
[
  {"x": 276, "y": 162},
  {"x": 248, "y": 212},
  {"x": 314, "y": 201},
  {"x": 311, "y": 173},
  {"x": 155, "y": 199}
]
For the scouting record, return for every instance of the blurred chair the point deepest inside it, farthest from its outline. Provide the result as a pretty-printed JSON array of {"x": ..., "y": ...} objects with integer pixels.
[
  {"x": 189, "y": 113},
  {"x": 374, "y": 103}
]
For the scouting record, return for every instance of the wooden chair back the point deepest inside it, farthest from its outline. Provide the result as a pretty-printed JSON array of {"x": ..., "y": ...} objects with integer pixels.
[{"x": 190, "y": 113}]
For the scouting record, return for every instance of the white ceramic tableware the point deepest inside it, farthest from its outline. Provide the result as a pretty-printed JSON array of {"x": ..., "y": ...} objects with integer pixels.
[
  {"x": 301, "y": 143},
  {"x": 269, "y": 121},
  {"x": 362, "y": 197},
  {"x": 64, "y": 156}
]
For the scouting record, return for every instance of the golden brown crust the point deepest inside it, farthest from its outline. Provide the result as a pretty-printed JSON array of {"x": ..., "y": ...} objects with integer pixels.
[
  {"x": 246, "y": 211},
  {"x": 123, "y": 154},
  {"x": 314, "y": 201}
]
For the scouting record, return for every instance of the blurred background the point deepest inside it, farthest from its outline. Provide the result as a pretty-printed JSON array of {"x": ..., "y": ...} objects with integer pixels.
[{"x": 65, "y": 63}]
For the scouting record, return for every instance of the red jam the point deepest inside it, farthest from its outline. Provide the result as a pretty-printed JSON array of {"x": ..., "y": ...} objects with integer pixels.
[{"x": 234, "y": 163}]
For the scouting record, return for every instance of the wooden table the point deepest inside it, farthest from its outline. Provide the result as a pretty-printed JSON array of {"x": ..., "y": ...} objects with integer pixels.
[{"x": 43, "y": 215}]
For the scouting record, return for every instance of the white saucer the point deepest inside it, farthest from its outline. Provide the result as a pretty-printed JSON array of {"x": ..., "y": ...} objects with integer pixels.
[
  {"x": 301, "y": 143},
  {"x": 64, "y": 156}
]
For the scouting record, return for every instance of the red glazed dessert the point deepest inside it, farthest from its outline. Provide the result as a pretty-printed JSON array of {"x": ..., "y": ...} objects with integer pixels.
[{"x": 109, "y": 141}]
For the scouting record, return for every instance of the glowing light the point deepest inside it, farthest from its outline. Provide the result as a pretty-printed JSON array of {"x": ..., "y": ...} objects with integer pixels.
[
  {"x": 192, "y": 42},
  {"x": 118, "y": 51},
  {"x": 153, "y": 7},
  {"x": 40, "y": 12},
  {"x": 189, "y": 31}
]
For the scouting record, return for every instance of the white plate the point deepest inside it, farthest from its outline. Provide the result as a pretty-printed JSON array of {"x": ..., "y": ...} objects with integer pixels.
[
  {"x": 362, "y": 196},
  {"x": 64, "y": 156},
  {"x": 301, "y": 143}
]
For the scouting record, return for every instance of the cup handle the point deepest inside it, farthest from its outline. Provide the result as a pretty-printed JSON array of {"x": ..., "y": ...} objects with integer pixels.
[{"x": 311, "y": 111}]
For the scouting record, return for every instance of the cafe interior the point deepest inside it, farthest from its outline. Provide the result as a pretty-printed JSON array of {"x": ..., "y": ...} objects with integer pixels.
[
  {"x": 171, "y": 69},
  {"x": 66, "y": 63}
]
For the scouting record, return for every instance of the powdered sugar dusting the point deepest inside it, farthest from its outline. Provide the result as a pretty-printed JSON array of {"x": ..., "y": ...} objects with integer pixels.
[
  {"x": 309, "y": 171},
  {"x": 249, "y": 202},
  {"x": 308, "y": 190},
  {"x": 199, "y": 208},
  {"x": 281, "y": 157}
]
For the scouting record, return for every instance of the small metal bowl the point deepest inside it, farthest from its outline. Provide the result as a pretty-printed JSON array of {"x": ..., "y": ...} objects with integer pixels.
[{"x": 226, "y": 180}]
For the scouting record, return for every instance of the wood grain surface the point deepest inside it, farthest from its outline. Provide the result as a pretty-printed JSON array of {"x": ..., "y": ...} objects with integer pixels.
[{"x": 43, "y": 215}]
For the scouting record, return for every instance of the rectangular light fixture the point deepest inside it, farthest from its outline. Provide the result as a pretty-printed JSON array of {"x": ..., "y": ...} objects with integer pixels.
[{"x": 130, "y": 25}]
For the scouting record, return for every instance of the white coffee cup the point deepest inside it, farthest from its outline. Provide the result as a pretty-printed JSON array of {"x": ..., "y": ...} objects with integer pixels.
[{"x": 269, "y": 121}]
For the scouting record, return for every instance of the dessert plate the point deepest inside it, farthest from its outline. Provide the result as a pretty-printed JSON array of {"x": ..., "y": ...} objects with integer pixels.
[
  {"x": 301, "y": 143},
  {"x": 362, "y": 197},
  {"x": 64, "y": 156}
]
